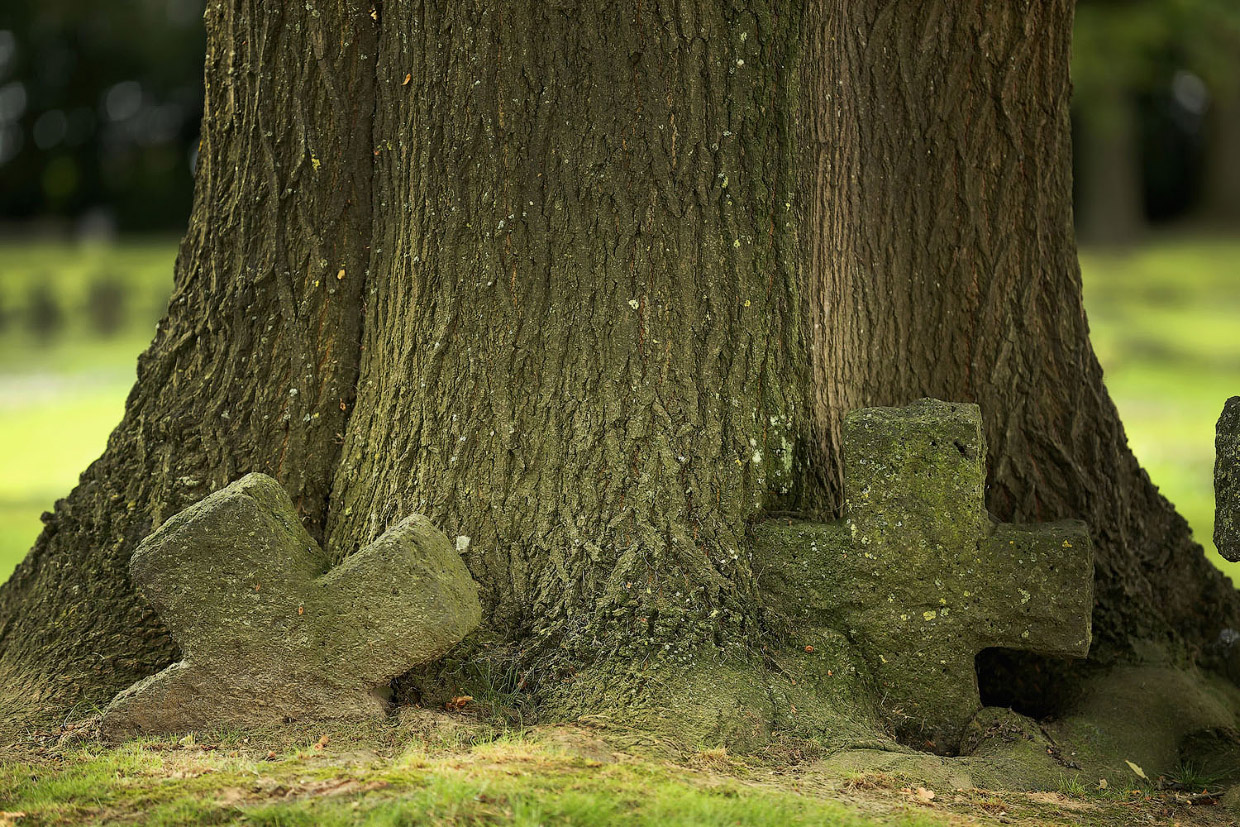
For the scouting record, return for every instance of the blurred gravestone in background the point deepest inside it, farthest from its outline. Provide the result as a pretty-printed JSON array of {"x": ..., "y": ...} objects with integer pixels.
[
  {"x": 106, "y": 303},
  {"x": 99, "y": 112},
  {"x": 44, "y": 317}
]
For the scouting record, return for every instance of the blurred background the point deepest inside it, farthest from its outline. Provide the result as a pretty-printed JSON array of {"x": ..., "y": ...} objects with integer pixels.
[{"x": 99, "y": 112}]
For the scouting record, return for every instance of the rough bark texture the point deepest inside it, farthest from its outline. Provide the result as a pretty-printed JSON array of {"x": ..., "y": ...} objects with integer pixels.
[
  {"x": 253, "y": 367},
  {"x": 946, "y": 267},
  {"x": 589, "y": 326},
  {"x": 603, "y": 279}
]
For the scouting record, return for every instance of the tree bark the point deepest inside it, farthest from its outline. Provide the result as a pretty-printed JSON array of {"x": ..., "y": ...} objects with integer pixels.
[
  {"x": 253, "y": 368},
  {"x": 589, "y": 324},
  {"x": 946, "y": 267},
  {"x": 593, "y": 285}
]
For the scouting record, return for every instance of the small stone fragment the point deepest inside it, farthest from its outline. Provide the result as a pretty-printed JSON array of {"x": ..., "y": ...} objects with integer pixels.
[
  {"x": 1227, "y": 481},
  {"x": 269, "y": 632}
]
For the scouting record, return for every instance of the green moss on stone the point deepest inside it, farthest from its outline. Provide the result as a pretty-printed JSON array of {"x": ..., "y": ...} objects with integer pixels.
[{"x": 917, "y": 576}]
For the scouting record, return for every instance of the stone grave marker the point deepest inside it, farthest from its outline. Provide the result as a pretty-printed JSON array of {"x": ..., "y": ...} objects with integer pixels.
[
  {"x": 1227, "y": 481},
  {"x": 269, "y": 632},
  {"x": 918, "y": 576}
]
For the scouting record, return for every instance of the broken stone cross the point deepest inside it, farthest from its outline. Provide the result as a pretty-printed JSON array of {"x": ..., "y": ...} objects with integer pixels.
[
  {"x": 918, "y": 576},
  {"x": 268, "y": 632},
  {"x": 1227, "y": 481}
]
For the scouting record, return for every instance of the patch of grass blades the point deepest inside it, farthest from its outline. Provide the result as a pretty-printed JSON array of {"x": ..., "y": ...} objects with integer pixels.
[
  {"x": 1072, "y": 786},
  {"x": 509, "y": 781},
  {"x": 1192, "y": 777}
]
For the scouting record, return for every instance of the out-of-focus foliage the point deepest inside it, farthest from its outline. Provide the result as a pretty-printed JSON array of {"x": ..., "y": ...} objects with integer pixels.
[
  {"x": 1156, "y": 113},
  {"x": 1130, "y": 43},
  {"x": 1208, "y": 35},
  {"x": 100, "y": 104},
  {"x": 1117, "y": 45}
]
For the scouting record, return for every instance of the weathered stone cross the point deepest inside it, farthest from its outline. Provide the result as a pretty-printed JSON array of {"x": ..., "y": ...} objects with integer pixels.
[
  {"x": 268, "y": 633},
  {"x": 917, "y": 575},
  {"x": 1227, "y": 481}
]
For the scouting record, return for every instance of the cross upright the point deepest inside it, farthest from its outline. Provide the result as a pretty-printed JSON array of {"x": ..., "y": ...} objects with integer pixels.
[
  {"x": 918, "y": 576},
  {"x": 269, "y": 632}
]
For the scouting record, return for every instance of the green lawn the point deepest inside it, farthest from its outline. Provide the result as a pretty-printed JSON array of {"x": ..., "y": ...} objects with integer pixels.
[
  {"x": 1164, "y": 319},
  {"x": 62, "y": 392},
  {"x": 512, "y": 780}
]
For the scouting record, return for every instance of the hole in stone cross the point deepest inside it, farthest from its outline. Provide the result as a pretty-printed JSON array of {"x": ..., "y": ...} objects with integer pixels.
[{"x": 1034, "y": 685}]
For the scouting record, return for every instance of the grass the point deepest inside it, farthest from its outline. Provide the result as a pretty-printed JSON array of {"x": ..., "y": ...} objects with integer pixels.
[
  {"x": 1194, "y": 777},
  {"x": 434, "y": 768},
  {"x": 1163, "y": 320},
  {"x": 513, "y": 779}
]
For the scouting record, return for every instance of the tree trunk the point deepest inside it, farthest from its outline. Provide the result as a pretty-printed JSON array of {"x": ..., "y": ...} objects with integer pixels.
[
  {"x": 589, "y": 327},
  {"x": 617, "y": 273},
  {"x": 947, "y": 268},
  {"x": 253, "y": 367}
]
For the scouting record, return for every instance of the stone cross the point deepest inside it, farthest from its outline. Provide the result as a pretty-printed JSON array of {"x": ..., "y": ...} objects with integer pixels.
[
  {"x": 268, "y": 632},
  {"x": 918, "y": 576},
  {"x": 1227, "y": 481}
]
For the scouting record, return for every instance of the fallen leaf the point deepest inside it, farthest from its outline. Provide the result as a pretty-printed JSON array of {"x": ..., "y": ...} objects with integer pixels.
[
  {"x": 1102, "y": 783},
  {"x": 323, "y": 742},
  {"x": 1140, "y": 772},
  {"x": 924, "y": 796},
  {"x": 407, "y": 79},
  {"x": 458, "y": 703}
]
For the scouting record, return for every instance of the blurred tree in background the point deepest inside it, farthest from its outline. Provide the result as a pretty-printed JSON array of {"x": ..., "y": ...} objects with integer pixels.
[
  {"x": 99, "y": 111},
  {"x": 1156, "y": 115},
  {"x": 1213, "y": 27}
]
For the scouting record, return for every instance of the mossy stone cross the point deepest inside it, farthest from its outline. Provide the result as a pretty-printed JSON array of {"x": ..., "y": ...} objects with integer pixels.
[
  {"x": 918, "y": 576},
  {"x": 269, "y": 632},
  {"x": 1227, "y": 481}
]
